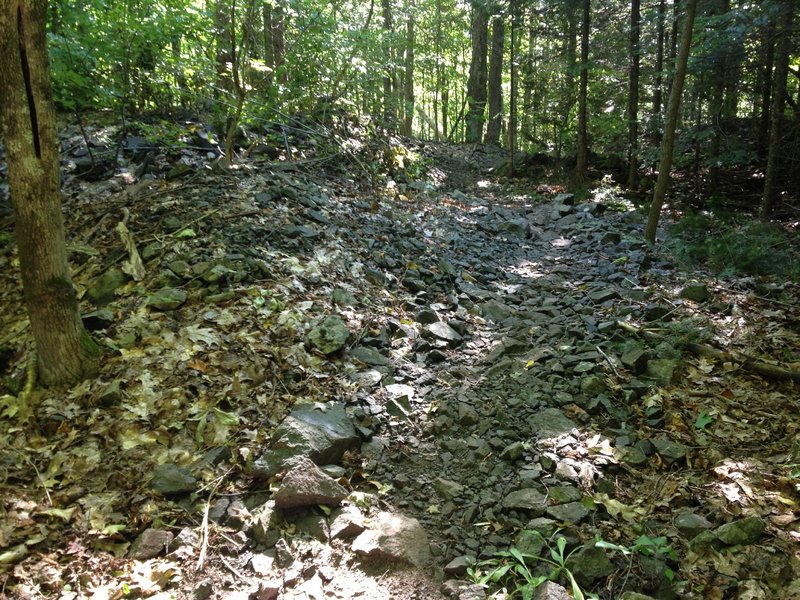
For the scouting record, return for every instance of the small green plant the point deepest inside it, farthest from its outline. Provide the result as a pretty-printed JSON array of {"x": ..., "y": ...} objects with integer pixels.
[
  {"x": 510, "y": 569},
  {"x": 651, "y": 547},
  {"x": 702, "y": 421}
]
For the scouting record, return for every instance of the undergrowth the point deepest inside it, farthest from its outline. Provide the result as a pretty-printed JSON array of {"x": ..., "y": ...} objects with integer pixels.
[{"x": 729, "y": 248}]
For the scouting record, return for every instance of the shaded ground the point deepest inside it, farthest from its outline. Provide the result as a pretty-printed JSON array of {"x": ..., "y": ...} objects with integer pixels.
[{"x": 556, "y": 400}]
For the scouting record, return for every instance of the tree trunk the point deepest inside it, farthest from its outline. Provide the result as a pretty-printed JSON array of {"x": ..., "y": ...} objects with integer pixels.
[
  {"x": 66, "y": 352},
  {"x": 512, "y": 108},
  {"x": 633, "y": 96},
  {"x": 408, "y": 87},
  {"x": 716, "y": 110},
  {"x": 766, "y": 91},
  {"x": 659, "y": 67},
  {"x": 782, "y": 52},
  {"x": 390, "y": 76},
  {"x": 495, "y": 123},
  {"x": 476, "y": 85},
  {"x": 583, "y": 137},
  {"x": 671, "y": 124}
]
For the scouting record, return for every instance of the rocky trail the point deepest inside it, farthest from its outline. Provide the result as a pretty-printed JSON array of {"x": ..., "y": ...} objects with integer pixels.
[{"x": 317, "y": 389}]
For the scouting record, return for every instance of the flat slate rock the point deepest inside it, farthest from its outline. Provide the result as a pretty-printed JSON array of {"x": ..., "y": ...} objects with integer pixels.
[
  {"x": 169, "y": 479},
  {"x": 528, "y": 499},
  {"x": 394, "y": 537},
  {"x": 322, "y": 432},
  {"x": 551, "y": 421},
  {"x": 306, "y": 485}
]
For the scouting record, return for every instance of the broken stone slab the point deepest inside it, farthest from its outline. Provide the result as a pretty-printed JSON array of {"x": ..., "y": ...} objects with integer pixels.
[
  {"x": 330, "y": 335},
  {"x": 320, "y": 431},
  {"x": 551, "y": 421},
  {"x": 589, "y": 564},
  {"x": 495, "y": 311},
  {"x": 167, "y": 299},
  {"x": 150, "y": 543},
  {"x": 691, "y": 524},
  {"x": 600, "y": 296},
  {"x": 549, "y": 590},
  {"x": 306, "y": 485},
  {"x": 443, "y": 331},
  {"x": 105, "y": 287},
  {"x": 169, "y": 479},
  {"x": 571, "y": 512},
  {"x": 459, "y": 565},
  {"x": 669, "y": 451},
  {"x": 742, "y": 532},
  {"x": 369, "y": 356},
  {"x": 395, "y": 538},
  {"x": 661, "y": 370},
  {"x": 447, "y": 489},
  {"x": 564, "y": 198},
  {"x": 264, "y": 523},
  {"x": 696, "y": 292},
  {"x": 635, "y": 359},
  {"x": 528, "y": 499},
  {"x": 348, "y": 522},
  {"x": 530, "y": 542}
]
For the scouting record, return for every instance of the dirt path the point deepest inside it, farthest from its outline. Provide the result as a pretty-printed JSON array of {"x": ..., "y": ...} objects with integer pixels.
[{"x": 497, "y": 399}]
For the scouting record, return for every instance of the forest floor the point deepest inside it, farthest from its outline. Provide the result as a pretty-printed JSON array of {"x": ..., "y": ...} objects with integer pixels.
[{"x": 503, "y": 366}]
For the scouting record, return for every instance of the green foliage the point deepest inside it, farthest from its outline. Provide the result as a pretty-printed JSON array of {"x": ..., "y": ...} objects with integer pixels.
[
  {"x": 754, "y": 248},
  {"x": 511, "y": 570},
  {"x": 651, "y": 547}
]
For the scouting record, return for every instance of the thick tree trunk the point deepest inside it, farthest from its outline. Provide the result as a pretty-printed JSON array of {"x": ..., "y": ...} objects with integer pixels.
[
  {"x": 581, "y": 165},
  {"x": 66, "y": 352},
  {"x": 671, "y": 124},
  {"x": 495, "y": 123},
  {"x": 778, "y": 100},
  {"x": 633, "y": 96},
  {"x": 476, "y": 85},
  {"x": 766, "y": 89},
  {"x": 408, "y": 82},
  {"x": 514, "y": 92}
]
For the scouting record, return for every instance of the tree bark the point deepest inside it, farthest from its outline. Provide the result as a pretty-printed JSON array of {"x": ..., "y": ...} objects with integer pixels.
[
  {"x": 659, "y": 66},
  {"x": 390, "y": 74},
  {"x": 778, "y": 100},
  {"x": 476, "y": 84},
  {"x": 633, "y": 96},
  {"x": 766, "y": 89},
  {"x": 495, "y": 123},
  {"x": 583, "y": 83},
  {"x": 66, "y": 353},
  {"x": 673, "y": 109},
  {"x": 408, "y": 82},
  {"x": 514, "y": 92}
]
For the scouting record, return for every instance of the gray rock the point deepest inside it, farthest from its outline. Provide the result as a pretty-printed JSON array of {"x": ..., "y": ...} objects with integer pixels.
[
  {"x": 447, "y": 489},
  {"x": 562, "y": 494},
  {"x": 216, "y": 274},
  {"x": 330, "y": 335},
  {"x": 551, "y": 421},
  {"x": 696, "y": 292},
  {"x": 264, "y": 523},
  {"x": 495, "y": 311},
  {"x": 547, "y": 528},
  {"x": 443, "y": 331},
  {"x": 394, "y": 537},
  {"x": 343, "y": 297},
  {"x": 110, "y": 394},
  {"x": 691, "y": 524},
  {"x": 549, "y": 590},
  {"x": 513, "y": 451},
  {"x": 611, "y": 237},
  {"x": 634, "y": 456},
  {"x": 589, "y": 564},
  {"x": 167, "y": 299},
  {"x": 322, "y": 432},
  {"x": 467, "y": 415},
  {"x": 635, "y": 596},
  {"x": 369, "y": 356},
  {"x": 98, "y": 319},
  {"x": 593, "y": 385},
  {"x": 516, "y": 227},
  {"x": 348, "y": 522},
  {"x": 530, "y": 542},
  {"x": 205, "y": 588},
  {"x": 661, "y": 370},
  {"x": 169, "y": 479},
  {"x": 669, "y": 451},
  {"x": 565, "y": 198},
  {"x": 150, "y": 543},
  {"x": 528, "y": 499},
  {"x": 426, "y": 316},
  {"x": 306, "y": 485},
  {"x": 104, "y": 288},
  {"x": 600, "y": 296},
  {"x": 743, "y": 532},
  {"x": 635, "y": 359},
  {"x": 571, "y": 512},
  {"x": 458, "y": 566}
]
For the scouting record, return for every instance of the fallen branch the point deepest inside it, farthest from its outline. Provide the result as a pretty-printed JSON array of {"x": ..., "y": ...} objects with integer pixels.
[{"x": 742, "y": 361}]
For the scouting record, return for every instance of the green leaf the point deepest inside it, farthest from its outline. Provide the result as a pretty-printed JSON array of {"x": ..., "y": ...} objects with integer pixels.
[{"x": 703, "y": 420}]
